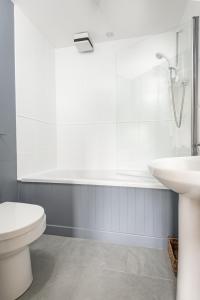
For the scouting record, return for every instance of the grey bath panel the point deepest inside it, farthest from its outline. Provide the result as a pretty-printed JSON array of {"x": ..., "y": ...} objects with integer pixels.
[{"x": 143, "y": 217}]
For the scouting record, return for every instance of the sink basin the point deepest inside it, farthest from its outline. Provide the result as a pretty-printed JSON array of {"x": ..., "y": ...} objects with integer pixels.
[{"x": 182, "y": 175}]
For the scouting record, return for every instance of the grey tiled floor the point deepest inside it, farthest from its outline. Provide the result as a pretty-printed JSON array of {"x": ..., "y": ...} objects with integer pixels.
[{"x": 75, "y": 269}]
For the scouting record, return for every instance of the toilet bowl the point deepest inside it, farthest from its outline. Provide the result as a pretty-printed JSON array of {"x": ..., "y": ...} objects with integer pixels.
[{"x": 20, "y": 225}]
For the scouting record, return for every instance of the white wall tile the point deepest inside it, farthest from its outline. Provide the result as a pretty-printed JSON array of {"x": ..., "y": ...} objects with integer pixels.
[
  {"x": 156, "y": 140},
  {"x": 35, "y": 98},
  {"x": 102, "y": 110},
  {"x": 127, "y": 146},
  {"x": 86, "y": 85},
  {"x": 36, "y": 146},
  {"x": 86, "y": 146},
  {"x": 139, "y": 143},
  {"x": 35, "y": 82},
  {"x": 144, "y": 98}
]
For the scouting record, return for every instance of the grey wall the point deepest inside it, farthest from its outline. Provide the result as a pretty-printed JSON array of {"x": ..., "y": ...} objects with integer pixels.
[
  {"x": 8, "y": 161},
  {"x": 143, "y": 217}
]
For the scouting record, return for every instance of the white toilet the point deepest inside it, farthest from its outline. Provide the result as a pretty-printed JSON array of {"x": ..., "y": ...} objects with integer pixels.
[{"x": 20, "y": 225}]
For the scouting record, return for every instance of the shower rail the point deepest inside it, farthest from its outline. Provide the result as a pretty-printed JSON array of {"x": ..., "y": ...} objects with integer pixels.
[{"x": 195, "y": 93}]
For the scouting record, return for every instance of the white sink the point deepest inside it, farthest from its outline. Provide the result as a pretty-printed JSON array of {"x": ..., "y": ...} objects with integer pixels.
[{"x": 182, "y": 175}]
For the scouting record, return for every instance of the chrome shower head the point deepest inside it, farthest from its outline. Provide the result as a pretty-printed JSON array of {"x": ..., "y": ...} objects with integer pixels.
[
  {"x": 162, "y": 56},
  {"x": 172, "y": 69},
  {"x": 159, "y": 55}
]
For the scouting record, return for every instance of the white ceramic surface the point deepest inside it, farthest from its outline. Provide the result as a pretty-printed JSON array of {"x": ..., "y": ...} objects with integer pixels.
[
  {"x": 97, "y": 177},
  {"x": 18, "y": 218},
  {"x": 182, "y": 175},
  {"x": 20, "y": 225}
]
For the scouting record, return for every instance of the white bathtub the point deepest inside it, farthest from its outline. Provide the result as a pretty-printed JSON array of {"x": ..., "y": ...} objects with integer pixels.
[{"x": 96, "y": 177}]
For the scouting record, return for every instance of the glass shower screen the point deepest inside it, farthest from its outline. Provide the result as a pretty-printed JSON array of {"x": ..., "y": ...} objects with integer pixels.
[{"x": 154, "y": 84}]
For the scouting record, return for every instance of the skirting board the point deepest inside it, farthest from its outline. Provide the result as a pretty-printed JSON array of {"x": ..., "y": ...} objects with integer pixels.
[{"x": 113, "y": 237}]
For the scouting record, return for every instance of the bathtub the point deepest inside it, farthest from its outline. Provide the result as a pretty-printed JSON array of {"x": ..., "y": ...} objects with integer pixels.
[
  {"x": 122, "y": 207},
  {"x": 140, "y": 179}
]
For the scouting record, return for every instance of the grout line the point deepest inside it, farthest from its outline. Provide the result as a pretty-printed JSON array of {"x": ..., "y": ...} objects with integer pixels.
[
  {"x": 59, "y": 124},
  {"x": 113, "y": 123},
  {"x": 140, "y": 275},
  {"x": 36, "y": 120}
]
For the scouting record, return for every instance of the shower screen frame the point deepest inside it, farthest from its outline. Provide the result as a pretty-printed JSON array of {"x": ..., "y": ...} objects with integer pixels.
[{"x": 195, "y": 88}]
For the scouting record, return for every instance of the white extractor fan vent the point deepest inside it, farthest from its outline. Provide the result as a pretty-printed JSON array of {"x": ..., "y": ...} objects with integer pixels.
[{"x": 83, "y": 42}]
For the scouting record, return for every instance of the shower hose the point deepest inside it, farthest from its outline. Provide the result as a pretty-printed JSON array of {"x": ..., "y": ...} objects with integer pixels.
[{"x": 177, "y": 118}]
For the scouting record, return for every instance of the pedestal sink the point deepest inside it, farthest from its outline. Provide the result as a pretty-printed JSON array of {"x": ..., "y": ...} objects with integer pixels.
[{"x": 182, "y": 175}]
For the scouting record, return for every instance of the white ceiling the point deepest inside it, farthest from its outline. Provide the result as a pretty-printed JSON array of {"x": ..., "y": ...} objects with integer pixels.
[{"x": 58, "y": 20}]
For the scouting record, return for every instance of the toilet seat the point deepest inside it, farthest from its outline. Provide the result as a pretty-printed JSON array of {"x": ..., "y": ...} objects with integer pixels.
[
  {"x": 20, "y": 225},
  {"x": 18, "y": 218}
]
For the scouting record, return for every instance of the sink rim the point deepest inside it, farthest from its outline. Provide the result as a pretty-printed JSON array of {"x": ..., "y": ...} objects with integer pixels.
[
  {"x": 178, "y": 174},
  {"x": 179, "y": 164}
]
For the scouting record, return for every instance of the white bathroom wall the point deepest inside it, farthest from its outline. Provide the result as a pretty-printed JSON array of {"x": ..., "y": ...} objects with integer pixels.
[
  {"x": 86, "y": 107},
  {"x": 113, "y": 105},
  {"x": 146, "y": 127},
  {"x": 103, "y": 110},
  {"x": 35, "y": 98}
]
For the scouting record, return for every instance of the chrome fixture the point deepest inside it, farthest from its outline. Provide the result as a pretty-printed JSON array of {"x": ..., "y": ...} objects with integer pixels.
[
  {"x": 195, "y": 93},
  {"x": 173, "y": 74},
  {"x": 83, "y": 42},
  {"x": 162, "y": 56},
  {"x": 173, "y": 71},
  {"x": 177, "y": 46}
]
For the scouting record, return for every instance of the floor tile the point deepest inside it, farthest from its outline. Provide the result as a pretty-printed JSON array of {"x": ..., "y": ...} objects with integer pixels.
[
  {"x": 149, "y": 262},
  {"x": 76, "y": 269},
  {"x": 111, "y": 285}
]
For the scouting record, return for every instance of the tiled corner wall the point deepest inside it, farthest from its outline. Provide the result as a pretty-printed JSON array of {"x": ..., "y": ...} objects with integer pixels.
[
  {"x": 115, "y": 104},
  {"x": 110, "y": 109},
  {"x": 35, "y": 97}
]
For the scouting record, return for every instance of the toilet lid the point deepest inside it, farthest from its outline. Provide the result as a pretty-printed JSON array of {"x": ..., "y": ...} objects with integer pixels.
[{"x": 18, "y": 218}]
